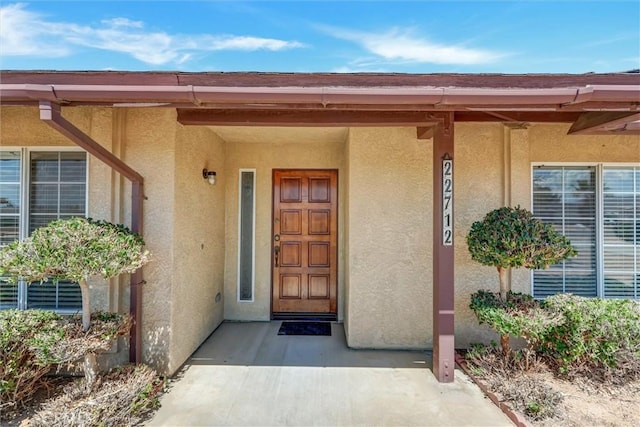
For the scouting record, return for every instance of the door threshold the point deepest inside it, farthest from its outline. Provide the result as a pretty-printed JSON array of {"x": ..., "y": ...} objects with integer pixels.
[{"x": 326, "y": 317}]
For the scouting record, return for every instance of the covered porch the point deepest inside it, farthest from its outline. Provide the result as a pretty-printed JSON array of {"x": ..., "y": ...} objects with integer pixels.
[
  {"x": 391, "y": 138},
  {"x": 247, "y": 374}
]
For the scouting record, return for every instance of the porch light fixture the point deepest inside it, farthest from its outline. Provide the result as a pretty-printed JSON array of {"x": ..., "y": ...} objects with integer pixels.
[{"x": 209, "y": 176}]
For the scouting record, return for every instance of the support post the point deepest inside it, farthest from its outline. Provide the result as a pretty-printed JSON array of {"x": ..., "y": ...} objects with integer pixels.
[
  {"x": 51, "y": 114},
  {"x": 135, "y": 285},
  {"x": 443, "y": 250}
]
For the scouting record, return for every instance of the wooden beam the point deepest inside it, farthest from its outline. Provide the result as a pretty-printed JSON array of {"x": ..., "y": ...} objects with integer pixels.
[
  {"x": 235, "y": 116},
  {"x": 50, "y": 114},
  {"x": 424, "y": 132},
  {"x": 443, "y": 251},
  {"x": 517, "y": 116},
  {"x": 209, "y": 117},
  {"x": 592, "y": 122}
]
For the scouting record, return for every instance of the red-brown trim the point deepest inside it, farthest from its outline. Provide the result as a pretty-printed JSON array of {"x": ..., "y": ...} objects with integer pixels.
[
  {"x": 51, "y": 114},
  {"x": 443, "y": 260},
  {"x": 455, "y": 98},
  {"x": 297, "y": 117},
  {"x": 208, "y": 117},
  {"x": 602, "y": 122}
]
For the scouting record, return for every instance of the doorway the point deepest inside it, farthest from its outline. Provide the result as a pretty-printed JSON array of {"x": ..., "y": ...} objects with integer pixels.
[{"x": 304, "y": 244}]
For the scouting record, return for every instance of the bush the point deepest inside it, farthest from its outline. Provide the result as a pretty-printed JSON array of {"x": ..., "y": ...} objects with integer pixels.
[
  {"x": 33, "y": 342},
  {"x": 511, "y": 237},
  {"x": 572, "y": 332},
  {"x": 594, "y": 332},
  {"x": 519, "y": 315},
  {"x": 27, "y": 341}
]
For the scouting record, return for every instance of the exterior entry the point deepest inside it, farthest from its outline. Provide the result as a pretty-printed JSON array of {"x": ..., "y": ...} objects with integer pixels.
[{"x": 304, "y": 243}]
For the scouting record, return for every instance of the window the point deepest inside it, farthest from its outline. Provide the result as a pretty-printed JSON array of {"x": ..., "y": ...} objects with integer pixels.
[
  {"x": 598, "y": 208},
  {"x": 246, "y": 234},
  {"x": 37, "y": 187}
]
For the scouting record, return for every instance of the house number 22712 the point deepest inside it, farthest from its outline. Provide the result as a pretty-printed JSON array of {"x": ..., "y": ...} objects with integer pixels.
[{"x": 447, "y": 201}]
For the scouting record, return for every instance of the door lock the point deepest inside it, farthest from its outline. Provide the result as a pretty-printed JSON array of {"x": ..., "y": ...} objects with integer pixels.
[{"x": 276, "y": 237}]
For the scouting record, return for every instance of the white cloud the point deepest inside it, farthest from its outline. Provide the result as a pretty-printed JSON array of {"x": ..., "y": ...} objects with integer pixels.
[
  {"x": 23, "y": 32},
  {"x": 251, "y": 43},
  {"x": 123, "y": 23},
  {"x": 404, "y": 46}
]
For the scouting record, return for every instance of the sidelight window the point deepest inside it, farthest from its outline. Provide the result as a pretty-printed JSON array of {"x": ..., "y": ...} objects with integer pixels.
[{"x": 246, "y": 234}]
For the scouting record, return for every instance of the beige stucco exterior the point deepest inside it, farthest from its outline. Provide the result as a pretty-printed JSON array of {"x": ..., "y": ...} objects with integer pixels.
[
  {"x": 389, "y": 239},
  {"x": 385, "y": 215}
]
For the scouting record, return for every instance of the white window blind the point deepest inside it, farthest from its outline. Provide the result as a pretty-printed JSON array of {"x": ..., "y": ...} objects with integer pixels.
[
  {"x": 55, "y": 183},
  {"x": 621, "y": 223},
  {"x": 597, "y": 208},
  {"x": 566, "y": 198},
  {"x": 9, "y": 196},
  {"x": 10, "y": 202}
]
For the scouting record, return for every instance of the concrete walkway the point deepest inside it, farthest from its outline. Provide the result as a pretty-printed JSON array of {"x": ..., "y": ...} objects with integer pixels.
[{"x": 247, "y": 375}]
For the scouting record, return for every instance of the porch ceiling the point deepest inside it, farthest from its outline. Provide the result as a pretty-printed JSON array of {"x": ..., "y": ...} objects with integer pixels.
[{"x": 594, "y": 103}]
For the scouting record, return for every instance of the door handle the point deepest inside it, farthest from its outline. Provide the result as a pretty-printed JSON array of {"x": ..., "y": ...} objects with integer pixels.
[{"x": 276, "y": 251}]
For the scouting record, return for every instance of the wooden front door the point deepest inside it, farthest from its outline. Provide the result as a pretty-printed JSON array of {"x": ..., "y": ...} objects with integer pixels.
[{"x": 304, "y": 242}]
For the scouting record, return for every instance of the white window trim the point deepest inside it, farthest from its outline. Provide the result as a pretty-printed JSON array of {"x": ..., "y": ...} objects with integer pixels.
[
  {"x": 253, "y": 237},
  {"x": 599, "y": 166}
]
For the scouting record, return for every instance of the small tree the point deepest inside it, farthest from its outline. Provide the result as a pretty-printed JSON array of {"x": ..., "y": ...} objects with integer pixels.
[
  {"x": 510, "y": 238},
  {"x": 75, "y": 249}
]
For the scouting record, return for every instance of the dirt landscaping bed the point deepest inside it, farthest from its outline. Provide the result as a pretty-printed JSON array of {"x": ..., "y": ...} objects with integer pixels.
[
  {"x": 531, "y": 394},
  {"x": 123, "y": 397}
]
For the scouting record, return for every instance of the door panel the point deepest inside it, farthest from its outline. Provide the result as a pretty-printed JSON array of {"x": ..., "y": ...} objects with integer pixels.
[{"x": 304, "y": 244}]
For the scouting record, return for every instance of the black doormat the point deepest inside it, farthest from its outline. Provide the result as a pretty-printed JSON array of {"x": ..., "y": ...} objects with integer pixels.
[{"x": 305, "y": 328}]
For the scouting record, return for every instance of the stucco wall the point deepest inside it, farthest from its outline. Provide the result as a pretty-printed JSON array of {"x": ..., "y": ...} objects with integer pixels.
[
  {"x": 149, "y": 148},
  {"x": 550, "y": 143},
  {"x": 264, "y": 157},
  {"x": 389, "y": 241},
  {"x": 198, "y": 242}
]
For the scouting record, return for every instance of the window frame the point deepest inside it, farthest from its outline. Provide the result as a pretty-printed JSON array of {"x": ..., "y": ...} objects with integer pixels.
[
  {"x": 599, "y": 195},
  {"x": 253, "y": 238},
  {"x": 25, "y": 188}
]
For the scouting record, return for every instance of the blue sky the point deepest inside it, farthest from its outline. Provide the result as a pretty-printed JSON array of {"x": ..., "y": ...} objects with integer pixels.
[{"x": 322, "y": 36}]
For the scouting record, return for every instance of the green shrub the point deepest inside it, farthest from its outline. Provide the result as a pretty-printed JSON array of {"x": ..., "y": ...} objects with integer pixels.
[
  {"x": 519, "y": 315},
  {"x": 598, "y": 333},
  {"x": 510, "y": 237},
  {"x": 75, "y": 249},
  {"x": 573, "y": 332},
  {"x": 27, "y": 342}
]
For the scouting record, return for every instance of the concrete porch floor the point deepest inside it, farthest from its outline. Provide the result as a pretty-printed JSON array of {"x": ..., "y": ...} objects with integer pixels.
[{"x": 244, "y": 374}]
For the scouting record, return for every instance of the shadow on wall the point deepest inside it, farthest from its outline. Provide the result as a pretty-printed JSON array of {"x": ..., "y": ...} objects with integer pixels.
[{"x": 155, "y": 350}]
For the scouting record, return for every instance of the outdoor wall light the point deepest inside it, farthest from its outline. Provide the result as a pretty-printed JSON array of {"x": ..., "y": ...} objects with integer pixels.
[{"x": 209, "y": 176}]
